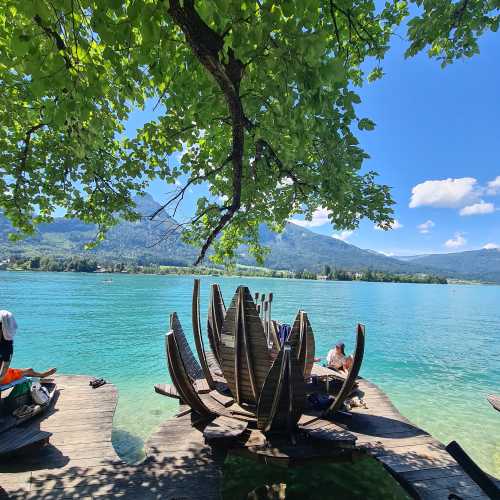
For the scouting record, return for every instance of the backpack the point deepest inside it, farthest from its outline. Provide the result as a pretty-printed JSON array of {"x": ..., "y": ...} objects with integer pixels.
[
  {"x": 19, "y": 396},
  {"x": 39, "y": 394}
]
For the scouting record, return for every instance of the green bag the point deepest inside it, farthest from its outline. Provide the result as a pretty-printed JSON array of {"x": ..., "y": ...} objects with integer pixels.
[{"x": 19, "y": 396}]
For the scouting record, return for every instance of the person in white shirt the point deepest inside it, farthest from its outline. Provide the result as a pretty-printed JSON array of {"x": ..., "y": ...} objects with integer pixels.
[{"x": 337, "y": 359}]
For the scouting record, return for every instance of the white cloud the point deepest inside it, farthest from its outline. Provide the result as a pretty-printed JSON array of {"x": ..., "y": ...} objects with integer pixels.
[
  {"x": 494, "y": 186},
  {"x": 491, "y": 246},
  {"x": 478, "y": 208},
  {"x": 446, "y": 193},
  {"x": 456, "y": 242},
  {"x": 395, "y": 225},
  {"x": 343, "y": 235},
  {"x": 319, "y": 217},
  {"x": 426, "y": 227}
]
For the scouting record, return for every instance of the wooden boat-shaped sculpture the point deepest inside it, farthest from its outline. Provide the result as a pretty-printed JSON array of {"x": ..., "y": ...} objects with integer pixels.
[
  {"x": 198, "y": 338},
  {"x": 262, "y": 393},
  {"x": 180, "y": 377},
  {"x": 245, "y": 357},
  {"x": 302, "y": 339},
  {"x": 216, "y": 315},
  {"x": 193, "y": 368},
  {"x": 283, "y": 396}
]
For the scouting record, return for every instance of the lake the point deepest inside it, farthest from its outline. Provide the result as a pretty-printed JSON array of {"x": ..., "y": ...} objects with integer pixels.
[{"x": 435, "y": 349}]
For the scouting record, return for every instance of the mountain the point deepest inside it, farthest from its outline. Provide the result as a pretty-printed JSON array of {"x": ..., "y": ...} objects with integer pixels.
[
  {"x": 296, "y": 249},
  {"x": 299, "y": 249},
  {"x": 143, "y": 241},
  {"x": 475, "y": 264}
]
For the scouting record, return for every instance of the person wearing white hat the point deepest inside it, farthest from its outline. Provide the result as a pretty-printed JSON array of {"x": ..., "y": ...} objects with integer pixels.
[{"x": 8, "y": 329}]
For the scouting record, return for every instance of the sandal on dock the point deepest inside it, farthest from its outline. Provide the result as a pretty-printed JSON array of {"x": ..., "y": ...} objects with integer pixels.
[
  {"x": 24, "y": 411},
  {"x": 97, "y": 383}
]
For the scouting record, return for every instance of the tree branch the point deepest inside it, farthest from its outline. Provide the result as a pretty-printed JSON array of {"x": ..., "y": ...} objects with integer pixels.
[
  {"x": 54, "y": 35},
  {"x": 207, "y": 45}
]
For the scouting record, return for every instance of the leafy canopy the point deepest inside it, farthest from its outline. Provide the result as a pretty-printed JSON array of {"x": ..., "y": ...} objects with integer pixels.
[{"x": 257, "y": 97}]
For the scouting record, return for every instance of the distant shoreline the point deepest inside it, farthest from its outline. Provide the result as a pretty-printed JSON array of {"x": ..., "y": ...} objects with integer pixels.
[{"x": 83, "y": 265}]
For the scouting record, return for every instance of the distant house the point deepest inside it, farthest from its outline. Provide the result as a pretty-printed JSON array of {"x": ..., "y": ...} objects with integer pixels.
[{"x": 322, "y": 277}]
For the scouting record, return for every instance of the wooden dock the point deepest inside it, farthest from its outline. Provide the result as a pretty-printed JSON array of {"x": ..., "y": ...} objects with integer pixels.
[
  {"x": 418, "y": 461},
  {"x": 80, "y": 461}
]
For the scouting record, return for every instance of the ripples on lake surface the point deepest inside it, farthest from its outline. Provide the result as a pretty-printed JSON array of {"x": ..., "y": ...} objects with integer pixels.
[{"x": 434, "y": 349}]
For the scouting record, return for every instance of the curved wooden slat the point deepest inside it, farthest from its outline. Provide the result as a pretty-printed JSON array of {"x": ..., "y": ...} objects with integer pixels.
[
  {"x": 302, "y": 338},
  {"x": 494, "y": 401},
  {"x": 245, "y": 358},
  {"x": 180, "y": 377},
  {"x": 198, "y": 338},
  {"x": 350, "y": 380},
  {"x": 193, "y": 368},
  {"x": 482, "y": 479},
  {"x": 283, "y": 396},
  {"x": 274, "y": 335},
  {"x": 216, "y": 315}
]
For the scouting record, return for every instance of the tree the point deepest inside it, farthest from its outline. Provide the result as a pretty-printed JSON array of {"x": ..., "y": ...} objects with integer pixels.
[{"x": 257, "y": 98}]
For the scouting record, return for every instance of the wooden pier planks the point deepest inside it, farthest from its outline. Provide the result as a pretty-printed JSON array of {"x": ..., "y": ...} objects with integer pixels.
[
  {"x": 224, "y": 428},
  {"x": 415, "y": 458},
  {"x": 80, "y": 461},
  {"x": 178, "y": 454},
  {"x": 245, "y": 358}
]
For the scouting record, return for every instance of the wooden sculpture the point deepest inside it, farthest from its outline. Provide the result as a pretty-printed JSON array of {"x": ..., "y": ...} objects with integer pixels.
[
  {"x": 245, "y": 358},
  {"x": 198, "y": 339},
  {"x": 216, "y": 315},
  {"x": 259, "y": 382},
  {"x": 193, "y": 368},
  {"x": 283, "y": 396},
  {"x": 180, "y": 377},
  {"x": 302, "y": 339}
]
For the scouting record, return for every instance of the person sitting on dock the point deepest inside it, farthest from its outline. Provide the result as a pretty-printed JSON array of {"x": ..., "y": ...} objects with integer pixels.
[
  {"x": 14, "y": 374},
  {"x": 337, "y": 359},
  {"x": 8, "y": 328}
]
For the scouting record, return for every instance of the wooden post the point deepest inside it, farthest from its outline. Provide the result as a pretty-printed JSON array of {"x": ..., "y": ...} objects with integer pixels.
[
  {"x": 262, "y": 300},
  {"x": 266, "y": 322},
  {"x": 269, "y": 319}
]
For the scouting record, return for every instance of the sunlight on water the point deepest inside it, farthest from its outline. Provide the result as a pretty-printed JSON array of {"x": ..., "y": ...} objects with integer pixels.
[{"x": 434, "y": 349}]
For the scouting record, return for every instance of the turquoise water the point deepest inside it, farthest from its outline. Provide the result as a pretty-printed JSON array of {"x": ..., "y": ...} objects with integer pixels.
[{"x": 434, "y": 349}]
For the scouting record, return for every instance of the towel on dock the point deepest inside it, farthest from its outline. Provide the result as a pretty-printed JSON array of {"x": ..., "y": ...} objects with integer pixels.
[{"x": 9, "y": 325}]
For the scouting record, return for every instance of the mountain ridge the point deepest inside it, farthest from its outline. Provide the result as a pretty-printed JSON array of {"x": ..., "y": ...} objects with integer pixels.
[{"x": 295, "y": 249}]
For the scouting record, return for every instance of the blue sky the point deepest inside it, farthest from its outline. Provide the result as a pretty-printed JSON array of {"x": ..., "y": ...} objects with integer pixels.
[{"x": 438, "y": 136}]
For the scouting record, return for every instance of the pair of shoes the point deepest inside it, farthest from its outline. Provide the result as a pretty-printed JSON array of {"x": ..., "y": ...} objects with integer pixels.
[
  {"x": 24, "y": 411},
  {"x": 97, "y": 383}
]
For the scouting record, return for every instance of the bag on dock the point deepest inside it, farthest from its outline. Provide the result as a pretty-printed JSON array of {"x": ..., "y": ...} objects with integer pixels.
[
  {"x": 19, "y": 396},
  {"x": 39, "y": 394}
]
